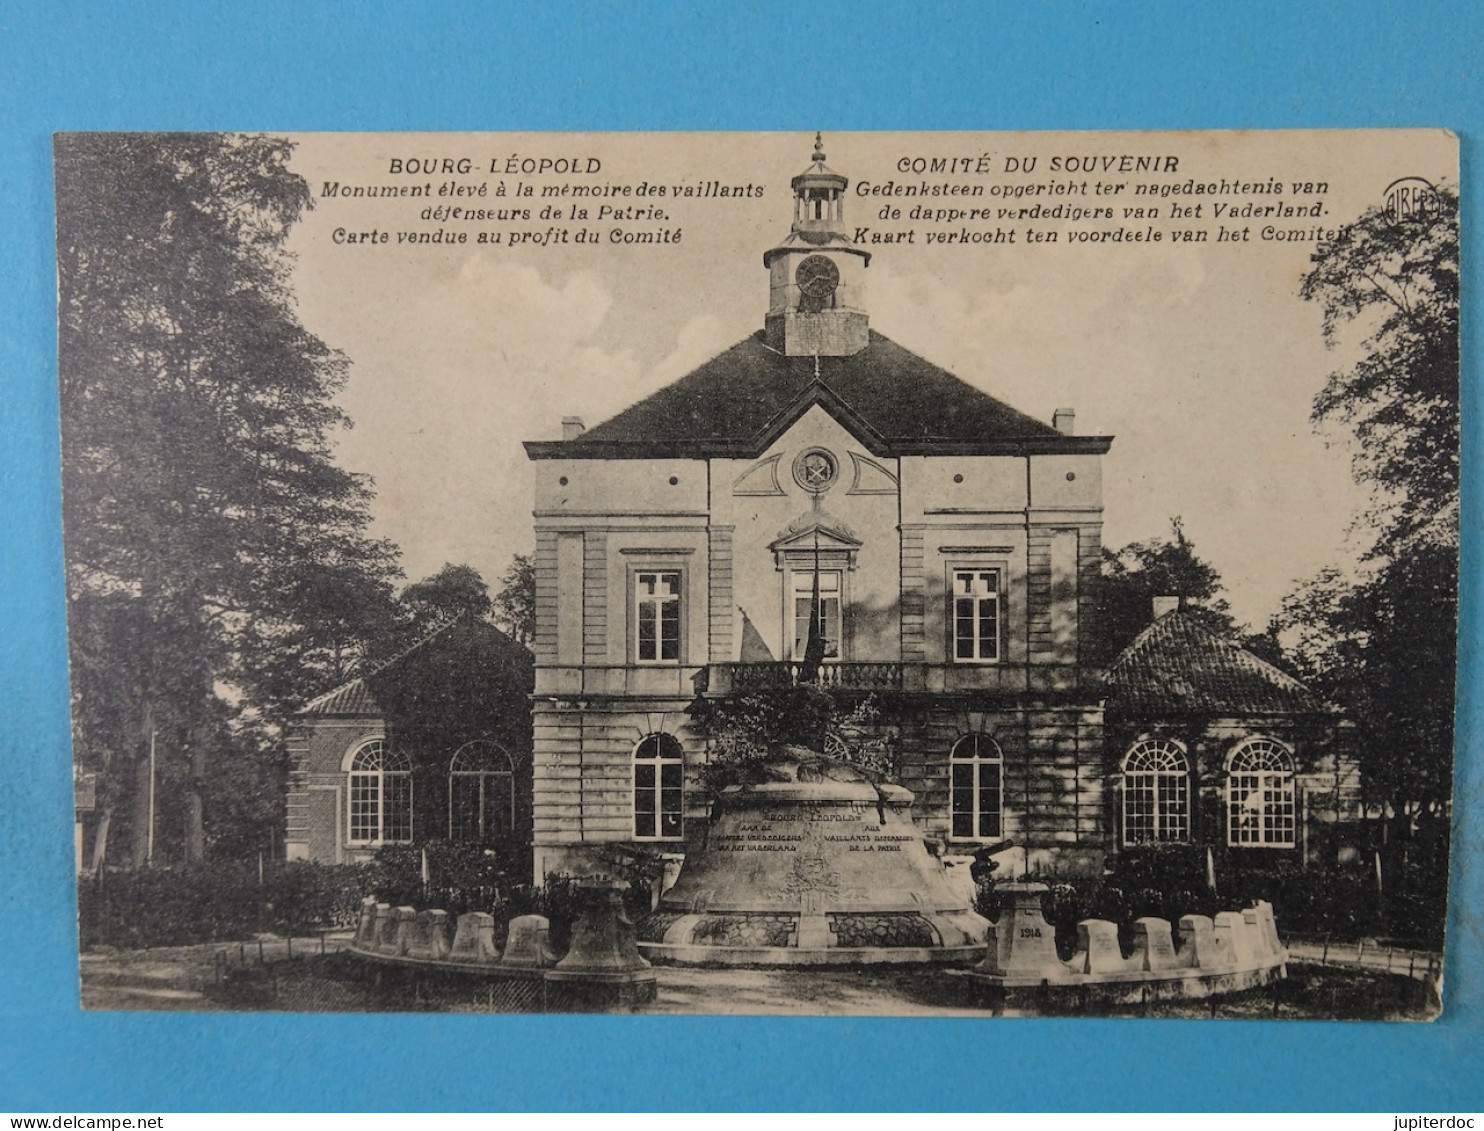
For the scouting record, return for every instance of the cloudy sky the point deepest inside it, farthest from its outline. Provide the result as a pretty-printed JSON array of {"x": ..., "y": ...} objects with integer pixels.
[{"x": 1199, "y": 358}]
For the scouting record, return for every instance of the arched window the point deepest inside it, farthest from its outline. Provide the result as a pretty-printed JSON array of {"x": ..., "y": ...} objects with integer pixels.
[
  {"x": 380, "y": 795},
  {"x": 976, "y": 777},
  {"x": 481, "y": 794},
  {"x": 659, "y": 776},
  {"x": 1156, "y": 793},
  {"x": 1259, "y": 795}
]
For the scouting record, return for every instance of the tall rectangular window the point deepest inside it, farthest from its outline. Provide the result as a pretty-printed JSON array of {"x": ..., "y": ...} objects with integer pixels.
[
  {"x": 976, "y": 615},
  {"x": 481, "y": 807},
  {"x": 1260, "y": 796},
  {"x": 802, "y": 592},
  {"x": 464, "y": 807},
  {"x": 657, "y": 616},
  {"x": 365, "y": 808},
  {"x": 481, "y": 794},
  {"x": 396, "y": 821}
]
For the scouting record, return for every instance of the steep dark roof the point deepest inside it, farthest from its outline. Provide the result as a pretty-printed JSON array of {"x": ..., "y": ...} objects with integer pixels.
[
  {"x": 356, "y": 697},
  {"x": 739, "y": 402},
  {"x": 1177, "y": 665}
]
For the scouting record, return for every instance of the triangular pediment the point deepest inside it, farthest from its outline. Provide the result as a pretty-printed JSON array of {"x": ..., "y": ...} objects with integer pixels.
[
  {"x": 805, "y": 540},
  {"x": 831, "y": 403},
  {"x": 816, "y": 528}
]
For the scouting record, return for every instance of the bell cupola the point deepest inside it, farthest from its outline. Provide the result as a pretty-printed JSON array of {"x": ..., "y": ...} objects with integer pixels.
[{"x": 815, "y": 301}]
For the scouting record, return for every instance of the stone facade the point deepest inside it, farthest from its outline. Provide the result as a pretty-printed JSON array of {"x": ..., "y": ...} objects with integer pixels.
[
  {"x": 949, "y": 548},
  {"x": 317, "y": 826}
]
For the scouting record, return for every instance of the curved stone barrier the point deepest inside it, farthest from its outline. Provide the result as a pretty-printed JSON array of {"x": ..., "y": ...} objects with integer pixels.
[
  {"x": 1235, "y": 951},
  {"x": 602, "y": 968}
]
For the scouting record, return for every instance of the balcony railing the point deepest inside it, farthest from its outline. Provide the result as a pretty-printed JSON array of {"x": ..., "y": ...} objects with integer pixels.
[
  {"x": 912, "y": 678},
  {"x": 677, "y": 681},
  {"x": 846, "y": 677}
]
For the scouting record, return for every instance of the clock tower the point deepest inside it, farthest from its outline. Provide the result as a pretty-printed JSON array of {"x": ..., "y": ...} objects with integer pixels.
[{"x": 814, "y": 275}]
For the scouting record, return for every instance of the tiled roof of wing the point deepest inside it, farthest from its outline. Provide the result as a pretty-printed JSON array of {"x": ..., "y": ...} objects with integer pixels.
[{"x": 1179, "y": 665}]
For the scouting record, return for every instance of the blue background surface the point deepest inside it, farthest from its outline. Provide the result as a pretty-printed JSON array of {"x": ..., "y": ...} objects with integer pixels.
[{"x": 835, "y": 66}]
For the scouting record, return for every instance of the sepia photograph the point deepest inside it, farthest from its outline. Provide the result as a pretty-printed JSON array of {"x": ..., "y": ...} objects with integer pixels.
[{"x": 975, "y": 574}]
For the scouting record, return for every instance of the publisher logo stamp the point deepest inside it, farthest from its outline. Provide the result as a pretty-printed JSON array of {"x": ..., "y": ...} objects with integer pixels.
[{"x": 1410, "y": 199}]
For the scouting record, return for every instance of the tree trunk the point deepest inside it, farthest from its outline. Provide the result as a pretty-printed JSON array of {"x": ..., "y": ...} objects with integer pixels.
[
  {"x": 139, "y": 840},
  {"x": 195, "y": 809},
  {"x": 100, "y": 840},
  {"x": 198, "y": 739},
  {"x": 195, "y": 834}
]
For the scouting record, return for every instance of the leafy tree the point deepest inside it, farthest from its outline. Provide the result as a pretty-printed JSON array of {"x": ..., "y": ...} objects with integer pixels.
[
  {"x": 454, "y": 591},
  {"x": 1396, "y": 282},
  {"x": 217, "y": 559},
  {"x": 1382, "y": 640},
  {"x": 322, "y": 620},
  {"x": 1162, "y": 567},
  {"x": 515, "y": 603}
]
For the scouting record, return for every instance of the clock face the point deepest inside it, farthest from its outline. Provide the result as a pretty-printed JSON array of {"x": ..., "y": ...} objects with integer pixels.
[{"x": 817, "y": 276}]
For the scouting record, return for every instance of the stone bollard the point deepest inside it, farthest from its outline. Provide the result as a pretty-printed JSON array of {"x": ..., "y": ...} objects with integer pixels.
[
  {"x": 403, "y": 920},
  {"x": 381, "y": 930},
  {"x": 957, "y": 872},
  {"x": 1198, "y": 950},
  {"x": 1232, "y": 935},
  {"x": 427, "y": 937},
  {"x": 366, "y": 924},
  {"x": 1267, "y": 924},
  {"x": 1256, "y": 938},
  {"x": 474, "y": 938},
  {"x": 527, "y": 943},
  {"x": 414, "y": 937},
  {"x": 1153, "y": 948},
  {"x": 1021, "y": 942},
  {"x": 1098, "y": 951}
]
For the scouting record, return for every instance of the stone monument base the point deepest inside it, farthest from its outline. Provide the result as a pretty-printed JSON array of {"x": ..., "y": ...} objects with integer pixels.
[
  {"x": 901, "y": 939},
  {"x": 822, "y": 869},
  {"x": 579, "y": 992}
]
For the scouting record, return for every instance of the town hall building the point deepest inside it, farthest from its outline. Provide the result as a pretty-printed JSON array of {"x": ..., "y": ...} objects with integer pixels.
[{"x": 952, "y": 545}]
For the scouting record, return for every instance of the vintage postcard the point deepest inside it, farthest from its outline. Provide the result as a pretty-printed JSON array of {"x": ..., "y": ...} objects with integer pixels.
[{"x": 895, "y": 573}]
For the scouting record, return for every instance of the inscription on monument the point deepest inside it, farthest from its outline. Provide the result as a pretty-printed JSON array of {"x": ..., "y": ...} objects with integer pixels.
[
  {"x": 761, "y": 836},
  {"x": 766, "y": 836},
  {"x": 1160, "y": 952}
]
